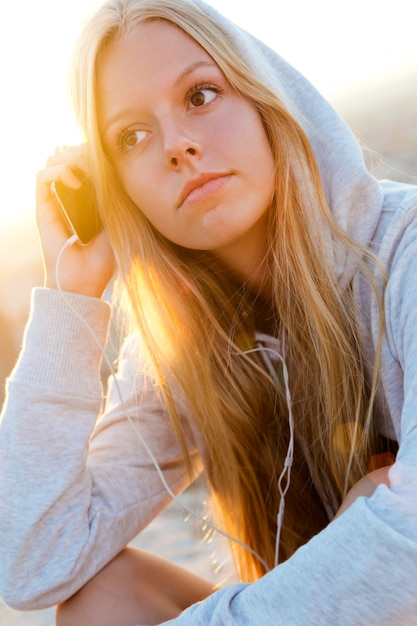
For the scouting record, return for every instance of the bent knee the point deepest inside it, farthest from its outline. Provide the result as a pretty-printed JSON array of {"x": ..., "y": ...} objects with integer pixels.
[
  {"x": 135, "y": 587},
  {"x": 100, "y": 601}
]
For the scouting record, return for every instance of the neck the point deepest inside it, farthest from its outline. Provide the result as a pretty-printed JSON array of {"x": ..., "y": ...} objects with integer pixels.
[{"x": 248, "y": 261}]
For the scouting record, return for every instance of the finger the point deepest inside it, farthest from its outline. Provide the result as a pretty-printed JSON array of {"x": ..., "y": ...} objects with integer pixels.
[
  {"x": 60, "y": 171},
  {"x": 75, "y": 157},
  {"x": 63, "y": 149},
  {"x": 45, "y": 177},
  {"x": 69, "y": 150}
]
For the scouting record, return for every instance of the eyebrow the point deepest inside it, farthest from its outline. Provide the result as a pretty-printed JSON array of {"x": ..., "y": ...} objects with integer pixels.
[
  {"x": 188, "y": 70},
  {"x": 194, "y": 66}
]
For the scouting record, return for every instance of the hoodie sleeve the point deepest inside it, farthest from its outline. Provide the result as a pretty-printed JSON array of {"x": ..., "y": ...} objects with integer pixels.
[
  {"x": 362, "y": 568},
  {"x": 73, "y": 493}
]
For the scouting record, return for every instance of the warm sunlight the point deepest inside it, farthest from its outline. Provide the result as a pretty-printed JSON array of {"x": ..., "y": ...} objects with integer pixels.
[
  {"x": 362, "y": 56},
  {"x": 35, "y": 45},
  {"x": 338, "y": 46}
]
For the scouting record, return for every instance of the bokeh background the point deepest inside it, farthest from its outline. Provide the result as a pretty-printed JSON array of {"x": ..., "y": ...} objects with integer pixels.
[{"x": 361, "y": 54}]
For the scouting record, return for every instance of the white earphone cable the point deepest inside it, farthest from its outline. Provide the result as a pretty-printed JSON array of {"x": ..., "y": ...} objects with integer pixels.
[
  {"x": 109, "y": 364},
  {"x": 286, "y": 472}
]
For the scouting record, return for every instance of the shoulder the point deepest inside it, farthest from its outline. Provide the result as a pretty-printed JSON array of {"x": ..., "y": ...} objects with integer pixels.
[
  {"x": 397, "y": 227},
  {"x": 398, "y": 195},
  {"x": 399, "y": 203},
  {"x": 398, "y": 253}
]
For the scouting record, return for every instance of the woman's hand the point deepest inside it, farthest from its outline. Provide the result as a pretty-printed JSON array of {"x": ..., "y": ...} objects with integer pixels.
[
  {"x": 83, "y": 269},
  {"x": 365, "y": 487}
]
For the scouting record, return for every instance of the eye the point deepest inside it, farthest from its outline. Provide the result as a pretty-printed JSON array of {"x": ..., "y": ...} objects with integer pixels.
[
  {"x": 202, "y": 94},
  {"x": 129, "y": 139}
]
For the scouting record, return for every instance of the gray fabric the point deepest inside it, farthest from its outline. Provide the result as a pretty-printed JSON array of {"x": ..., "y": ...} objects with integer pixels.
[{"x": 69, "y": 503}]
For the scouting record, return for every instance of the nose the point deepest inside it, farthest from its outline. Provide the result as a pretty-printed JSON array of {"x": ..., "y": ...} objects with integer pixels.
[
  {"x": 180, "y": 147},
  {"x": 175, "y": 161}
]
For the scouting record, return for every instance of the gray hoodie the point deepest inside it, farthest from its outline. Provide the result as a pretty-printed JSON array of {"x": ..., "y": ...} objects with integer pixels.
[{"x": 74, "y": 491}]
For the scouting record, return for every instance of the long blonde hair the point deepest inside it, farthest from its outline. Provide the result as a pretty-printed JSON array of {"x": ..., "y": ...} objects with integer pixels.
[{"x": 198, "y": 323}]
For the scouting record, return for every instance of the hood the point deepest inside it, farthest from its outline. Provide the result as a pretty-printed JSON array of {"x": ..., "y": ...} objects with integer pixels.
[{"x": 353, "y": 194}]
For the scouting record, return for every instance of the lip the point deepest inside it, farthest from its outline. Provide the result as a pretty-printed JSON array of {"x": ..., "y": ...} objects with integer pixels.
[{"x": 201, "y": 187}]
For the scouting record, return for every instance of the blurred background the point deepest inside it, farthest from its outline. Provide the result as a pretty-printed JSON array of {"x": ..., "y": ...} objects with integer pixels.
[{"x": 361, "y": 54}]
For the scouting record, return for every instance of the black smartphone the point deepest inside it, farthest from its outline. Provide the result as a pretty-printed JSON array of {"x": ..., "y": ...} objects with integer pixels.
[{"x": 79, "y": 208}]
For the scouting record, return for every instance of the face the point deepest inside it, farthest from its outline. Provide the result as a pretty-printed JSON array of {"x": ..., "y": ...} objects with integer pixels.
[{"x": 190, "y": 152}]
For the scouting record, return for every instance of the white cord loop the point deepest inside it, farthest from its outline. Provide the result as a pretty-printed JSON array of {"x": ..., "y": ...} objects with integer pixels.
[{"x": 284, "y": 479}]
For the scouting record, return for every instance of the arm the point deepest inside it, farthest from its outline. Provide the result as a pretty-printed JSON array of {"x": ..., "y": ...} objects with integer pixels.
[
  {"x": 72, "y": 495},
  {"x": 365, "y": 487},
  {"x": 68, "y": 506}
]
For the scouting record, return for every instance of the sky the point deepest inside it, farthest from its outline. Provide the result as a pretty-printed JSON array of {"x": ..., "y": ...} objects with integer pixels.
[{"x": 342, "y": 46}]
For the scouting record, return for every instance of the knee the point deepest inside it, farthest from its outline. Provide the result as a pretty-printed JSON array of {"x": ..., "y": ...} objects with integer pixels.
[
  {"x": 63, "y": 616},
  {"x": 135, "y": 588},
  {"x": 98, "y": 603}
]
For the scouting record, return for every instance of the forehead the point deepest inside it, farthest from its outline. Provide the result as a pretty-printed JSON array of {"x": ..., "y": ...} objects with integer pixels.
[{"x": 151, "y": 53}]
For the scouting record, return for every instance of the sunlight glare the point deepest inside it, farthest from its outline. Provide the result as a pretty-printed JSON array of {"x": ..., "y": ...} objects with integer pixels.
[{"x": 337, "y": 45}]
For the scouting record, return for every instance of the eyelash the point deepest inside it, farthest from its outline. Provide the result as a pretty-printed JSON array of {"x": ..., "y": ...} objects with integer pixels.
[
  {"x": 202, "y": 87},
  {"x": 120, "y": 145},
  {"x": 124, "y": 132}
]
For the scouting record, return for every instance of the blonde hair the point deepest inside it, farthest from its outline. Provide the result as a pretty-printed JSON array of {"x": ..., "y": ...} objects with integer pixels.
[{"x": 197, "y": 323}]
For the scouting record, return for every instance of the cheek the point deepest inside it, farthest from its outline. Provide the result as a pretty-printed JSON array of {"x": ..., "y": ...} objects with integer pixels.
[
  {"x": 260, "y": 147},
  {"x": 243, "y": 135},
  {"x": 132, "y": 182},
  {"x": 138, "y": 186}
]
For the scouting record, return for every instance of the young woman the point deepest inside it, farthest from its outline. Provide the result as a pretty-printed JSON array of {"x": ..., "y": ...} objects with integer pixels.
[{"x": 269, "y": 284}]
